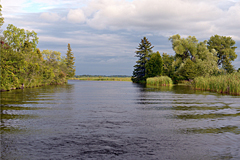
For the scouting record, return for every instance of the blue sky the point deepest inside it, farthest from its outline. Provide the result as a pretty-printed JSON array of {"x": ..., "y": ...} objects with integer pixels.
[{"x": 104, "y": 34}]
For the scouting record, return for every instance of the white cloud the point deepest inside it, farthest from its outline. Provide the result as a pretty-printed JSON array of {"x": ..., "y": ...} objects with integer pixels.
[
  {"x": 112, "y": 28},
  {"x": 150, "y": 14},
  {"x": 51, "y": 17},
  {"x": 201, "y": 18},
  {"x": 76, "y": 16}
]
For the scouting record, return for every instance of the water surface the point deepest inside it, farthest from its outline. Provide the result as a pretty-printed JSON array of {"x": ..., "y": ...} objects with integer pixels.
[{"x": 118, "y": 120}]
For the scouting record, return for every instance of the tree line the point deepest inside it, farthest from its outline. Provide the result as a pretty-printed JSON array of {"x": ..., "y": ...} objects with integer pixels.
[
  {"x": 192, "y": 59},
  {"x": 24, "y": 65}
]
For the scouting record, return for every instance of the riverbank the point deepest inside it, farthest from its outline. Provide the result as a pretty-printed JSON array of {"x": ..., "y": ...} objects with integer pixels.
[
  {"x": 100, "y": 78},
  {"x": 226, "y": 84},
  {"x": 32, "y": 86},
  {"x": 159, "y": 81}
]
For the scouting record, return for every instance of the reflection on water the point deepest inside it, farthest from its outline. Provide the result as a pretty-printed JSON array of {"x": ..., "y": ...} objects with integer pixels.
[
  {"x": 118, "y": 120},
  {"x": 232, "y": 129}
]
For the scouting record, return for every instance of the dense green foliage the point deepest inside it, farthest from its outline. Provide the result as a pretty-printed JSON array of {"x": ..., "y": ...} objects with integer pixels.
[
  {"x": 159, "y": 81},
  {"x": 154, "y": 67},
  {"x": 225, "y": 49},
  {"x": 16, "y": 37},
  {"x": 192, "y": 59},
  {"x": 222, "y": 84},
  {"x": 23, "y": 65},
  {"x": 168, "y": 68}
]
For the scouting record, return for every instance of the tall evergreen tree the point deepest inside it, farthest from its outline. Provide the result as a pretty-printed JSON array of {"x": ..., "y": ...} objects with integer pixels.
[
  {"x": 143, "y": 51},
  {"x": 70, "y": 62}
]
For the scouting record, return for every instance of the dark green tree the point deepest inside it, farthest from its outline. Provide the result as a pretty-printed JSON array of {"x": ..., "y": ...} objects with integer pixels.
[
  {"x": 39, "y": 54},
  {"x": 143, "y": 51},
  {"x": 228, "y": 66},
  {"x": 238, "y": 70},
  {"x": 168, "y": 68},
  {"x": 154, "y": 66},
  {"x": 189, "y": 70},
  {"x": 225, "y": 49},
  {"x": 70, "y": 62}
]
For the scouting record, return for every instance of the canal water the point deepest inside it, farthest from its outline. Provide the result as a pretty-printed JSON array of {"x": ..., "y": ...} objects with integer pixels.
[{"x": 118, "y": 120}]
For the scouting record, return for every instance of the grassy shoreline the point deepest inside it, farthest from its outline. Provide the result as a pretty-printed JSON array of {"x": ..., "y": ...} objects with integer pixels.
[
  {"x": 159, "y": 81},
  {"x": 33, "y": 85},
  {"x": 102, "y": 79},
  {"x": 226, "y": 84}
]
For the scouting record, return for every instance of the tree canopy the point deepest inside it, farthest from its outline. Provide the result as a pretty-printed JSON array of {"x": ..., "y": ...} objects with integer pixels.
[
  {"x": 192, "y": 59},
  {"x": 16, "y": 37},
  {"x": 184, "y": 48},
  {"x": 22, "y": 64},
  {"x": 154, "y": 66},
  {"x": 224, "y": 46}
]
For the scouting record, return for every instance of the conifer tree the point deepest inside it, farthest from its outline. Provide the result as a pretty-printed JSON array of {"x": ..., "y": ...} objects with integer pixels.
[
  {"x": 143, "y": 51},
  {"x": 70, "y": 62}
]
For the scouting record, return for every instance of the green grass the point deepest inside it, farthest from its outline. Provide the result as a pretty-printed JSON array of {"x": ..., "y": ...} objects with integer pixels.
[
  {"x": 102, "y": 79},
  {"x": 159, "y": 81},
  {"x": 229, "y": 84}
]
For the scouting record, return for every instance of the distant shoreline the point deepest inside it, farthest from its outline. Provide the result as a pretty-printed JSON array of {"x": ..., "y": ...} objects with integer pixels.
[{"x": 101, "y": 78}]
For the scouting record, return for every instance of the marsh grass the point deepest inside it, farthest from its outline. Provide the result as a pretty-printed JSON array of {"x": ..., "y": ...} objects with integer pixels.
[
  {"x": 160, "y": 81},
  {"x": 102, "y": 78},
  {"x": 229, "y": 84}
]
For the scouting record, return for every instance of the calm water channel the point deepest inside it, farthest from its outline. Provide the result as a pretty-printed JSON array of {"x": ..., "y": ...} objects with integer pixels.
[{"x": 118, "y": 120}]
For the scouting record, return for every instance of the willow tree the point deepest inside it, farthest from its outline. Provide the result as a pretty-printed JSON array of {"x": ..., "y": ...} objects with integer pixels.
[
  {"x": 143, "y": 51},
  {"x": 70, "y": 62},
  {"x": 203, "y": 60},
  {"x": 225, "y": 49}
]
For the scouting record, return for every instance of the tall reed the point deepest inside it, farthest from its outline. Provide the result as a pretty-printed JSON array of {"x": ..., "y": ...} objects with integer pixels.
[
  {"x": 229, "y": 83},
  {"x": 160, "y": 81}
]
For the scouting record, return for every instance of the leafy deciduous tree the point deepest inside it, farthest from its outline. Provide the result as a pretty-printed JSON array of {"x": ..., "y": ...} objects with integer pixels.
[
  {"x": 188, "y": 70},
  {"x": 154, "y": 66},
  {"x": 225, "y": 49},
  {"x": 168, "y": 68},
  {"x": 184, "y": 48},
  {"x": 16, "y": 37}
]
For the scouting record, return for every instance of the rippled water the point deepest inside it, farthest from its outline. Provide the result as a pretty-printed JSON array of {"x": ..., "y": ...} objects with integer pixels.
[{"x": 118, "y": 120}]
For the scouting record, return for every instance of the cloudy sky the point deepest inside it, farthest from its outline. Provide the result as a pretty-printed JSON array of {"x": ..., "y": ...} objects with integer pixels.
[{"x": 104, "y": 34}]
